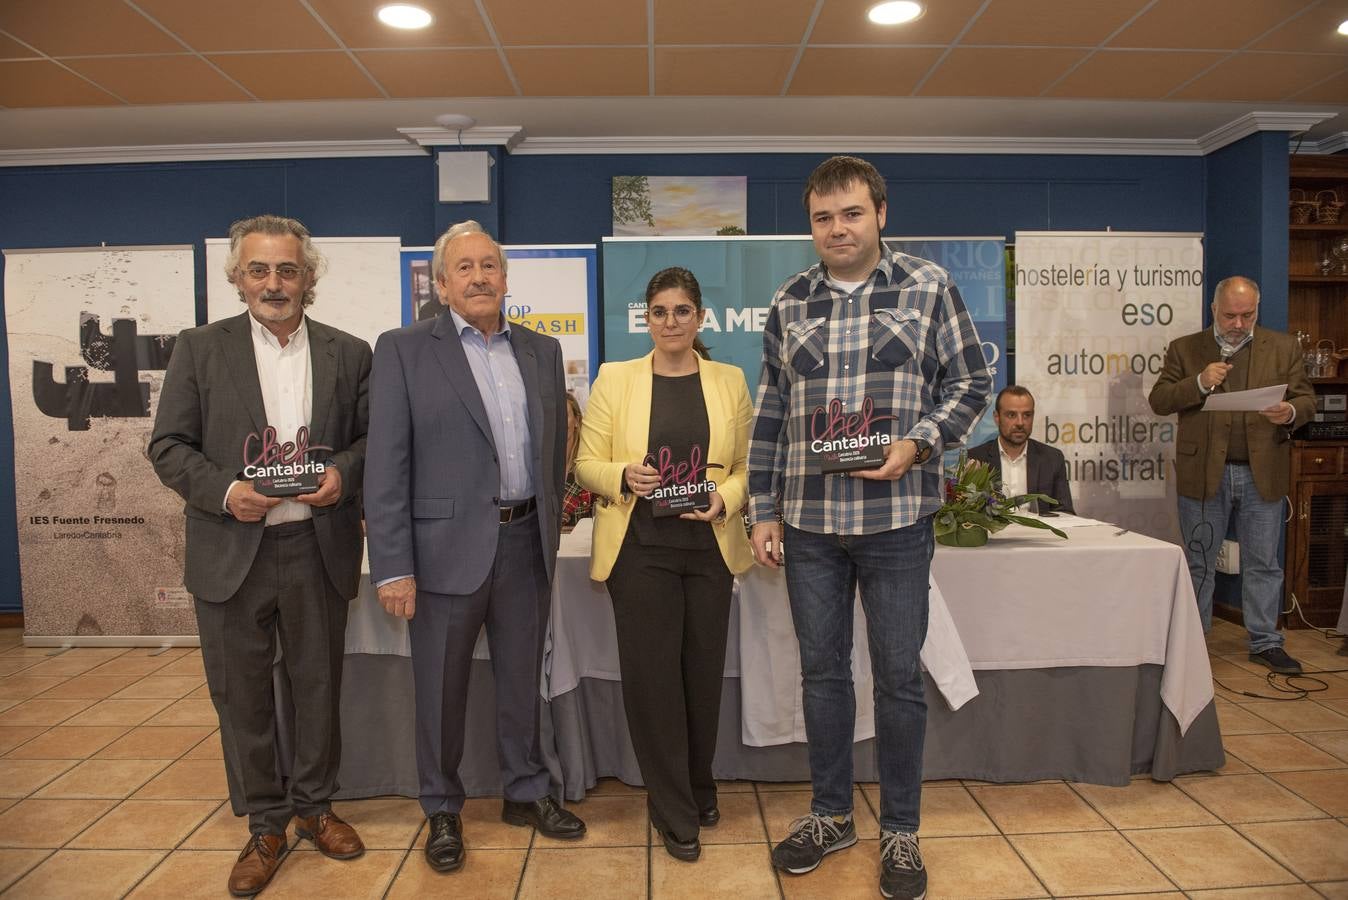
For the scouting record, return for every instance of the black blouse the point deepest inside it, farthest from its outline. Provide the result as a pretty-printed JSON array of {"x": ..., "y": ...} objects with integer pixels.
[{"x": 678, "y": 421}]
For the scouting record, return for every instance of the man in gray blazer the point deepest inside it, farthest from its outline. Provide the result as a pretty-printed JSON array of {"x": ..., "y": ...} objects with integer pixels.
[
  {"x": 463, "y": 487},
  {"x": 1025, "y": 465},
  {"x": 260, "y": 567}
]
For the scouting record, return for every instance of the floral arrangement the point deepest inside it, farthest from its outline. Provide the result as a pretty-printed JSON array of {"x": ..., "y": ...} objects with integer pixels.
[{"x": 976, "y": 507}]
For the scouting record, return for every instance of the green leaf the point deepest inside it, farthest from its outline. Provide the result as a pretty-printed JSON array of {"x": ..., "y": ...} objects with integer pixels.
[{"x": 1036, "y": 523}]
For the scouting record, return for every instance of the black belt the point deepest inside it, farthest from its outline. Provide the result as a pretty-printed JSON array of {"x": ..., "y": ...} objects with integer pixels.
[
  {"x": 518, "y": 511},
  {"x": 288, "y": 528}
]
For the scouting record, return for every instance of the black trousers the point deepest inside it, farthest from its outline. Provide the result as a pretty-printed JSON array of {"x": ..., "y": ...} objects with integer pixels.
[
  {"x": 672, "y": 608},
  {"x": 286, "y": 595}
]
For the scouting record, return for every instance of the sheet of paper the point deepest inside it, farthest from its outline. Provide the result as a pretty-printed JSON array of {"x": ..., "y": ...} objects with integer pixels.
[
  {"x": 1245, "y": 401},
  {"x": 1064, "y": 520}
]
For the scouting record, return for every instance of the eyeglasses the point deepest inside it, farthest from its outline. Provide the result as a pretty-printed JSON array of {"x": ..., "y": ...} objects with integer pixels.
[
  {"x": 683, "y": 314},
  {"x": 285, "y": 271}
]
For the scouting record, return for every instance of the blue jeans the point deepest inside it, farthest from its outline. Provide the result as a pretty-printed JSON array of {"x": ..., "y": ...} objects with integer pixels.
[
  {"x": 823, "y": 572},
  {"x": 1259, "y": 523}
]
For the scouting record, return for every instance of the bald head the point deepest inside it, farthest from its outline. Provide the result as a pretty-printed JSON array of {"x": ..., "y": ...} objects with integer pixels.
[{"x": 1235, "y": 307}]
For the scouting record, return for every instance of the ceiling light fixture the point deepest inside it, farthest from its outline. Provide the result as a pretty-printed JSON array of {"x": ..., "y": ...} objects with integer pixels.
[
  {"x": 1343, "y": 27},
  {"x": 402, "y": 15},
  {"x": 455, "y": 121},
  {"x": 895, "y": 12}
]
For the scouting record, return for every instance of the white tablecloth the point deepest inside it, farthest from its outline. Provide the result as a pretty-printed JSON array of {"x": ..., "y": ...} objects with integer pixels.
[
  {"x": 1031, "y": 600},
  {"x": 582, "y": 642},
  {"x": 1028, "y": 600}
]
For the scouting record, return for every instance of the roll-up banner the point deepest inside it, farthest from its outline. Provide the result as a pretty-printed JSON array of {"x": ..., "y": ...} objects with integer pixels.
[
  {"x": 1094, "y": 312},
  {"x": 100, "y": 539},
  {"x": 739, "y": 276}
]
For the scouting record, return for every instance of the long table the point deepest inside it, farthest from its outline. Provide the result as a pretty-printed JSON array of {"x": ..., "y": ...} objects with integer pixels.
[{"x": 1081, "y": 659}]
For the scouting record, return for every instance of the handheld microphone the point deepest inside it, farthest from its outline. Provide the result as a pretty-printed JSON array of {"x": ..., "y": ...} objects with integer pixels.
[{"x": 1227, "y": 351}]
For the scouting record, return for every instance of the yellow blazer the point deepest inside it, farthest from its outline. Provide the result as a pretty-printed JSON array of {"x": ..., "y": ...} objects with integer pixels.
[{"x": 616, "y": 430}]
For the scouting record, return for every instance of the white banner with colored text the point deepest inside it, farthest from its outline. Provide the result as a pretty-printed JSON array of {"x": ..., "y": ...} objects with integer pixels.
[{"x": 1094, "y": 313}]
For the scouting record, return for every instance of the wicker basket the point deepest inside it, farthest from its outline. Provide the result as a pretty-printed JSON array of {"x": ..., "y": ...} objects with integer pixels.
[
  {"x": 1301, "y": 209},
  {"x": 1328, "y": 207}
]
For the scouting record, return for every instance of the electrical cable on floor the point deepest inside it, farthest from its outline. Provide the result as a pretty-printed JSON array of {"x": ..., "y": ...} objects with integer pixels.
[{"x": 1297, "y": 693}]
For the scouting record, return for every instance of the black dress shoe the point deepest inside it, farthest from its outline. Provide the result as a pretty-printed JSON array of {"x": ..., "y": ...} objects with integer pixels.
[
  {"x": 688, "y": 851},
  {"x": 545, "y": 815},
  {"x": 1276, "y": 658},
  {"x": 444, "y": 844},
  {"x": 708, "y": 817}
]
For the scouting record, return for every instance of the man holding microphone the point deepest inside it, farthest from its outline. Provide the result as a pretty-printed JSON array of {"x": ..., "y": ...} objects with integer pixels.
[{"x": 1236, "y": 462}]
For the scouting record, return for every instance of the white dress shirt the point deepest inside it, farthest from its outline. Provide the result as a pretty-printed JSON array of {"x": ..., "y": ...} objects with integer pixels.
[
  {"x": 1015, "y": 471},
  {"x": 287, "y": 381}
]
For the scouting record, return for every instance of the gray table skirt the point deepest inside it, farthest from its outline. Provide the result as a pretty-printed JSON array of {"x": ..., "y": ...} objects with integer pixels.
[{"x": 1095, "y": 725}]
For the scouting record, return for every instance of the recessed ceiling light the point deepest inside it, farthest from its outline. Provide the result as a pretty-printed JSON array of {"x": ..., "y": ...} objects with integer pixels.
[
  {"x": 895, "y": 12},
  {"x": 1343, "y": 27},
  {"x": 402, "y": 15}
]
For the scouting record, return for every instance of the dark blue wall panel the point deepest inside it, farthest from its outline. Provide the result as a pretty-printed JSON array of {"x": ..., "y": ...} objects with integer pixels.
[
  {"x": 1247, "y": 220},
  {"x": 566, "y": 198}
]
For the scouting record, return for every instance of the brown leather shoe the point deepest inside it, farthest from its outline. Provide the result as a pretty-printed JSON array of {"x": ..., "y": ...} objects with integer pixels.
[
  {"x": 258, "y": 862},
  {"x": 333, "y": 837}
]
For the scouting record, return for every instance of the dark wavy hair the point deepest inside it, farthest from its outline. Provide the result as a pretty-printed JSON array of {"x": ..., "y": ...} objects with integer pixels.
[{"x": 679, "y": 279}]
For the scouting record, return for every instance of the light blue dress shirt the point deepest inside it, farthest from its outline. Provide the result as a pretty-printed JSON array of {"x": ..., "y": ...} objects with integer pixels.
[{"x": 498, "y": 378}]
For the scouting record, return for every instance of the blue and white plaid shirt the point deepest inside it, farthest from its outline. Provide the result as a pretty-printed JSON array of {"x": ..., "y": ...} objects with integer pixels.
[{"x": 905, "y": 340}]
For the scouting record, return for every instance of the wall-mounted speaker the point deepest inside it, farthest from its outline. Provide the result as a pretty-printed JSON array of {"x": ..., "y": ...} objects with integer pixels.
[{"x": 465, "y": 177}]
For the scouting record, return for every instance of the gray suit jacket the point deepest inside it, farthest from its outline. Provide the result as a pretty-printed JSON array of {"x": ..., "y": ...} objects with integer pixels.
[
  {"x": 210, "y": 401},
  {"x": 433, "y": 481},
  {"x": 1045, "y": 470}
]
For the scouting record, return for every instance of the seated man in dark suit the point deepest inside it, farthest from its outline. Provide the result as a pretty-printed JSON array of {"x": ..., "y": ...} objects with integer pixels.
[{"x": 1026, "y": 465}]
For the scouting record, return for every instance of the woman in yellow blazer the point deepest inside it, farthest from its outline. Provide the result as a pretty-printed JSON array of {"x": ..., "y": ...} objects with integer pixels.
[{"x": 659, "y": 427}]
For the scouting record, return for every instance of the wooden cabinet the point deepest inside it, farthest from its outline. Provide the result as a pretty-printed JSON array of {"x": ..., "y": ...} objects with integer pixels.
[
  {"x": 1317, "y": 535},
  {"x": 1317, "y": 303}
]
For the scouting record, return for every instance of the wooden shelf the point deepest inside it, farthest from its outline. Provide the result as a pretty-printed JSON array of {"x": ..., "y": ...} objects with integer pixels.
[
  {"x": 1317, "y": 279},
  {"x": 1326, "y": 169},
  {"x": 1313, "y": 229},
  {"x": 1337, "y": 379}
]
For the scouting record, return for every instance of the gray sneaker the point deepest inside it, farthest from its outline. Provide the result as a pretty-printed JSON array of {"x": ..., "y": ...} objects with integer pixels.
[
  {"x": 902, "y": 873},
  {"x": 810, "y": 839}
]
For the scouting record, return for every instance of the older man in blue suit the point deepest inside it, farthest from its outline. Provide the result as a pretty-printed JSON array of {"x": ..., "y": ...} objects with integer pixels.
[{"x": 466, "y": 461}]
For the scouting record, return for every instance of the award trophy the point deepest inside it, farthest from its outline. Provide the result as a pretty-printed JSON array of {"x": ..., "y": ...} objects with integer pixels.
[
  {"x": 846, "y": 442},
  {"x": 282, "y": 469},
  {"x": 684, "y": 485}
]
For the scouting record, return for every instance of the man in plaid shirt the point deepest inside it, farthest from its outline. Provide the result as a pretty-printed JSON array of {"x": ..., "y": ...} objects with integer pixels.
[{"x": 868, "y": 342}]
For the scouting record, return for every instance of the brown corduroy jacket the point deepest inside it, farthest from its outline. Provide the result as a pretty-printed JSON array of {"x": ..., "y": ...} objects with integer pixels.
[{"x": 1201, "y": 444}]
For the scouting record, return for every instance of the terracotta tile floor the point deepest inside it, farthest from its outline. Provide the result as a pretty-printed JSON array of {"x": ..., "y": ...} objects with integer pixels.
[{"x": 111, "y": 785}]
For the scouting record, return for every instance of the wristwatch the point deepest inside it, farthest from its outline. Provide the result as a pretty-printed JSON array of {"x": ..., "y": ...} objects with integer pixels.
[{"x": 923, "y": 451}]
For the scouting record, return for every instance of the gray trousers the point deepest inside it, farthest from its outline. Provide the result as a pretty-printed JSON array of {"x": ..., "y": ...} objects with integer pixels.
[
  {"x": 286, "y": 596},
  {"x": 514, "y": 603}
]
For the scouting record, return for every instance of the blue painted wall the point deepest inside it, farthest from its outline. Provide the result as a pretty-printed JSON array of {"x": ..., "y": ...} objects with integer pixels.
[
  {"x": 1247, "y": 220},
  {"x": 565, "y": 199}
]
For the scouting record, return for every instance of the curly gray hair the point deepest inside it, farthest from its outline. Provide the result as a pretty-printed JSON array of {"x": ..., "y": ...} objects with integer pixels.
[{"x": 281, "y": 226}]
